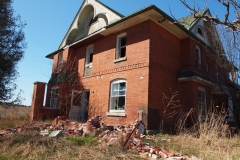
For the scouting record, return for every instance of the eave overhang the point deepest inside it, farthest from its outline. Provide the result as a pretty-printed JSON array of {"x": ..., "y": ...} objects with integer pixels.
[
  {"x": 193, "y": 76},
  {"x": 149, "y": 13},
  {"x": 92, "y": 37}
]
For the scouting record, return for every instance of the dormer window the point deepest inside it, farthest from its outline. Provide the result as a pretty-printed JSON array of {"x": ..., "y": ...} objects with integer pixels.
[{"x": 200, "y": 31}]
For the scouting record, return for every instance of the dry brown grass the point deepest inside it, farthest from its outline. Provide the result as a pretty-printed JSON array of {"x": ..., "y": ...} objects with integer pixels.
[
  {"x": 31, "y": 145},
  {"x": 203, "y": 147},
  {"x": 13, "y": 116},
  {"x": 211, "y": 139}
]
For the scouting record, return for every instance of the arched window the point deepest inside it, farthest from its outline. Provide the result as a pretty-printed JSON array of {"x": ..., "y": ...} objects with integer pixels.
[
  {"x": 201, "y": 103},
  {"x": 198, "y": 57},
  {"x": 118, "y": 95},
  {"x": 54, "y": 97}
]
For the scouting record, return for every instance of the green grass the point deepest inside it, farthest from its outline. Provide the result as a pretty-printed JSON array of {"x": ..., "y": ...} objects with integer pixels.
[{"x": 87, "y": 140}]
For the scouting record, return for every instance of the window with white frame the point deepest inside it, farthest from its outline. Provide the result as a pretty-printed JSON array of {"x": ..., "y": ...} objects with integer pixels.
[
  {"x": 198, "y": 57},
  {"x": 118, "y": 96},
  {"x": 201, "y": 103},
  {"x": 89, "y": 55},
  {"x": 59, "y": 63},
  {"x": 121, "y": 46},
  {"x": 54, "y": 97}
]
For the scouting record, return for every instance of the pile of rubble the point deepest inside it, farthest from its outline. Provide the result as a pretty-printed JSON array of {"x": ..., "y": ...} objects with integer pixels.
[{"x": 127, "y": 136}]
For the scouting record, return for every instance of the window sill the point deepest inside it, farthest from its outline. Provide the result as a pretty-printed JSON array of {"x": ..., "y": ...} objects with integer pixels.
[
  {"x": 116, "y": 114},
  {"x": 89, "y": 65},
  {"x": 120, "y": 59},
  {"x": 51, "y": 108},
  {"x": 87, "y": 76}
]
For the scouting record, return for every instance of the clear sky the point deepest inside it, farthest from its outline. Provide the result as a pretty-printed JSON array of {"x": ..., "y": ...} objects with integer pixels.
[{"x": 48, "y": 21}]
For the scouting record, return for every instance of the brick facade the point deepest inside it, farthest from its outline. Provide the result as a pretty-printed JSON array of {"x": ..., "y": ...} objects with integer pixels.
[{"x": 155, "y": 60}]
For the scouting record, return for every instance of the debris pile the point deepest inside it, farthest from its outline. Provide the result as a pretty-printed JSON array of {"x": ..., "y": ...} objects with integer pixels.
[{"x": 127, "y": 136}]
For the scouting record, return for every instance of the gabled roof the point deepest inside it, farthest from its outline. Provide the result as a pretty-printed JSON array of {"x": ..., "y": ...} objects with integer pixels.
[
  {"x": 190, "y": 21},
  {"x": 111, "y": 9},
  {"x": 114, "y": 15},
  {"x": 151, "y": 12}
]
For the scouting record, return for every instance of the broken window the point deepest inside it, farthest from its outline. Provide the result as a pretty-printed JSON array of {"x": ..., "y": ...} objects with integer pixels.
[
  {"x": 198, "y": 57},
  {"x": 201, "y": 103},
  {"x": 89, "y": 60},
  {"x": 118, "y": 96},
  {"x": 200, "y": 31},
  {"x": 54, "y": 97},
  {"x": 121, "y": 46},
  {"x": 59, "y": 64},
  {"x": 89, "y": 54}
]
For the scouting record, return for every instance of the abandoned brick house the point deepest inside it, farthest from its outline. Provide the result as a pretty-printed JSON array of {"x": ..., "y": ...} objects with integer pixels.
[{"x": 121, "y": 67}]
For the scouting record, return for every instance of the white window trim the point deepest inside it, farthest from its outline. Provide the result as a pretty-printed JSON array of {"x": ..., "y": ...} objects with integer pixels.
[
  {"x": 59, "y": 63},
  {"x": 200, "y": 116},
  {"x": 199, "y": 58},
  {"x": 111, "y": 111},
  {"x": 54, "y": 88},
  {"x": 88, "y": 51},
  {"x": 118, "y": 46}
]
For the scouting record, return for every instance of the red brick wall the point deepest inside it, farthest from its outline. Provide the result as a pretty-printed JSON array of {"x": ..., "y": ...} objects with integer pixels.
[
  {"x": 165, "y": 55},
  {"x": 162, "y": 56},
  {"x": 137, "y": 79},
  {"x": 136, "y": 75}
]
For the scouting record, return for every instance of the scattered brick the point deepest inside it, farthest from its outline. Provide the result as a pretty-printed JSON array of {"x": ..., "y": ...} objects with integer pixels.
[{"x": 128, "y": 136}]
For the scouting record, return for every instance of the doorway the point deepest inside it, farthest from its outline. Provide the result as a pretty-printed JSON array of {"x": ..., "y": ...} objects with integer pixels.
[{"x": 79, "y": 105}]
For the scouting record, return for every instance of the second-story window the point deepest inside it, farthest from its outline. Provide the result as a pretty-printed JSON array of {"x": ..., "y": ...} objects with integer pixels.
[
  {"x": 88, "y": 61},
  {"x": 59, "y": 63},
  {"x": 121, "y": 46},
  {"x": 89, "y": 54},
  {"x": 198, "y": 57}
]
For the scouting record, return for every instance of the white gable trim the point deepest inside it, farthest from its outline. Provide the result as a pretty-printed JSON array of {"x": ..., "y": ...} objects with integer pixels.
[{"x": 98, "y": 9}]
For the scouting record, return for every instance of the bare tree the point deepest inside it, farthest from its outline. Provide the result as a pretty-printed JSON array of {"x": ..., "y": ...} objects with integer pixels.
[
  {"x": 224, "y": 40},
  {"x": 233, "y": 24}
]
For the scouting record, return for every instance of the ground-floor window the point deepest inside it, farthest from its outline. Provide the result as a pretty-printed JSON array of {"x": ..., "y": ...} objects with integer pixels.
[
  {"x": 118, "y": 96},
  {"x": 201, "y": 103},
  {"x": 54, "y": 97}
]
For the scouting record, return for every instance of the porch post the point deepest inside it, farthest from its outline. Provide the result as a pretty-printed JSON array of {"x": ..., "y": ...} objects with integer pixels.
[{"x": 37, "y": 101}]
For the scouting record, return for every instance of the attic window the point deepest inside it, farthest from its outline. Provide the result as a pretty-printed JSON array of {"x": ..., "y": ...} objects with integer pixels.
[{"x": 200, "y": 31}]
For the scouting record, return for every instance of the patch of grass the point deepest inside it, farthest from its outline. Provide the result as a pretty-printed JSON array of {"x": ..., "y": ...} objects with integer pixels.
[
  {"x": 44, "y": 148},
  {"x": 4, "y": 158},
  {"x": 80, "y": 140}
]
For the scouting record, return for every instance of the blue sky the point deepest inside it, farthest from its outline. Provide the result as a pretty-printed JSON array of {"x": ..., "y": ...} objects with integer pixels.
[{"x": 48, "y": 21}]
